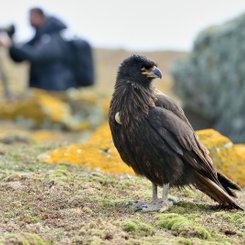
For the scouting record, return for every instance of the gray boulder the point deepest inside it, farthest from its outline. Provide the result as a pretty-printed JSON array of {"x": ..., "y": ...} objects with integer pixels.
[{"x": 211, "y": 80}]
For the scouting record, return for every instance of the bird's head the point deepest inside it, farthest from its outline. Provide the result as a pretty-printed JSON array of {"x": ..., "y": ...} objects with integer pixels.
[{"x": 138, "y": 69}]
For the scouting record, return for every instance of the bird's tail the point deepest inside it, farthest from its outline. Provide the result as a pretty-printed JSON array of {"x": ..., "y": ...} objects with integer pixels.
[
  {"x": 221, "y": 194},
  {"x": 228, "y": 184}
]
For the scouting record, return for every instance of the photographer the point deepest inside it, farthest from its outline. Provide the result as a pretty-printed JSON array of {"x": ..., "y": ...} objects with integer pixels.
[{"x": 47, "y": 53}]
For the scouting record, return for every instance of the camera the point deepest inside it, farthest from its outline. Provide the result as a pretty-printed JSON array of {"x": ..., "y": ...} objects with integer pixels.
[{"x": 9, "y": 30}]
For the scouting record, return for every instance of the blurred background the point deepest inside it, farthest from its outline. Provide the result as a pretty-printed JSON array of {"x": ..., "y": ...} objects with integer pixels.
[{"x": 199, "y": 46}]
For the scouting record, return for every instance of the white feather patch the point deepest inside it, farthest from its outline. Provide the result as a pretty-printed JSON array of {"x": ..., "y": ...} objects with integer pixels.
[{"x": 117, "y": 118}]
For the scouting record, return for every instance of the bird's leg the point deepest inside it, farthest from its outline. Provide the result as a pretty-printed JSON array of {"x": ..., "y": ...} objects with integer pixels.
[
  {"x": 154, "y": 193},
  {"x": 165, "y": 204},
  {"x": 154, "y": 205},
  {"x": 165, "y": 189},
  {"x": 157, "y": 205},
  {"x": 155, "y": 199},
  {"x": 165, "y": 201}
]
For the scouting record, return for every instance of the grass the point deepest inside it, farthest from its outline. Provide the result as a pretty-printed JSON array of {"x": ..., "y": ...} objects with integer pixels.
[{"x": 63, "y": 204}]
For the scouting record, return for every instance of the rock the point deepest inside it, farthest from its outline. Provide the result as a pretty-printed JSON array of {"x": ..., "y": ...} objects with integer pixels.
[
  {"x": 229, "y": 158},
  {"x": 71, "y": 110},
  {"x": 211, "y": 80},
  {"x": 10, "y": 133},
  {"x": 37, "y": 109}
]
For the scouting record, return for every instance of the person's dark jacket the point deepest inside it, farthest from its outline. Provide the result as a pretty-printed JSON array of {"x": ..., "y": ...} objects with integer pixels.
[{"x": 48, "y": 54}]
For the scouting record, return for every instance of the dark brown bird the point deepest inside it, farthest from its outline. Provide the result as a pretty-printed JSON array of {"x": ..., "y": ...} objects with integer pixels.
[{"x": 154, "y": 137}]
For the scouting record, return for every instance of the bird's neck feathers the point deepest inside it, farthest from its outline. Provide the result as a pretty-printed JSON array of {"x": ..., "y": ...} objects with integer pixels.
[{"x": 132, "y": 101}]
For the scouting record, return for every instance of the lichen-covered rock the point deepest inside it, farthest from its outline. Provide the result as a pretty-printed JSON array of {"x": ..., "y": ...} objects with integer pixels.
[
  {"x": 74, "y": 110},
  {"x": 229, "y": 158},
  {"x": 100, "y": 153},
  {"x": 37, "y": 108},
  {"x": 211, "y": 80}
]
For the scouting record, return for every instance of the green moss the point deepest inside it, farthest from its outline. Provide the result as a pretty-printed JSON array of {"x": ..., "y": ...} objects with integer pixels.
[
  {"x": 184, "y": 241},
  {"x": 189, "y": 193},
  {"x": 149, "y": 240},
  {"x": 87, "y": 210},
  {"x": 130, "y": 226},
  {"x": 94, "y": 241},
  {"x": 180, "y": 225},
  {"x": 31, "y": 220},
  {"x": 109, "y": 181},
  {"x": 191, "y": 206},
  {"x": 233, "y": 218},
  {"x": 197, "y": 241},
  {"x": 172, "y": 240},
  {"x": 95, "y": 232},
  {"x": 108, "y": 203},
  {"x": 137, "y": 227},
  {"x": 22, "y": 238},
  {"x": 60, "y": 175}
]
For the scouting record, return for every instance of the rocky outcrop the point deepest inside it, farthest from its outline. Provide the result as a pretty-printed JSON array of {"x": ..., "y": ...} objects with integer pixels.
[{"x": 211, "y": 80}]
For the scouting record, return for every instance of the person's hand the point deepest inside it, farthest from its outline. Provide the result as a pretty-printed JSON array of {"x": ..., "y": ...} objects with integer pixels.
[{"x": 5, "y": 41}]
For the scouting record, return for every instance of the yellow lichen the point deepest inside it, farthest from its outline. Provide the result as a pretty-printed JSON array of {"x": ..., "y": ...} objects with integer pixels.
[
  {"x": 213, "y": 139},
  {"x": 98, "y": 153},
  {"x": 229, "y": 158},
  {"x": 106, "y": 106},
  {"x": 56, "y": 110}
]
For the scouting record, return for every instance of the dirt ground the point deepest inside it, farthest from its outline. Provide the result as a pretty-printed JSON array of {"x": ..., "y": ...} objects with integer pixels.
[{"x": 62, "y": 204}]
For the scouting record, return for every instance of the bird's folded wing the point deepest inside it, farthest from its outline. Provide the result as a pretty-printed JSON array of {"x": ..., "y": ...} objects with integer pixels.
[
  {"x": 166, "y": 102},
  {"x": 181, "y": 139}
]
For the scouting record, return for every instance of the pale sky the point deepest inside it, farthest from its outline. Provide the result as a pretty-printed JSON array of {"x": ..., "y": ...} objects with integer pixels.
[{"x": 129, "y": 24}]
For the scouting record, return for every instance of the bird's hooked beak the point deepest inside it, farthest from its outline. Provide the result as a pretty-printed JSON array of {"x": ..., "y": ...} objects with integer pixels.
[{"x": 154, "y": 72}]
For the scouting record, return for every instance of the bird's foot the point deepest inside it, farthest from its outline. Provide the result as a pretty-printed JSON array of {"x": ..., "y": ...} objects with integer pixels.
[
  {"x": 155, "y": 206},
  {"x": 136, "y": 204}
]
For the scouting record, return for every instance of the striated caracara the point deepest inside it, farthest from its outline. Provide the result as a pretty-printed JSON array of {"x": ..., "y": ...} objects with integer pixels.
[{"x": 154, "y": 137}]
